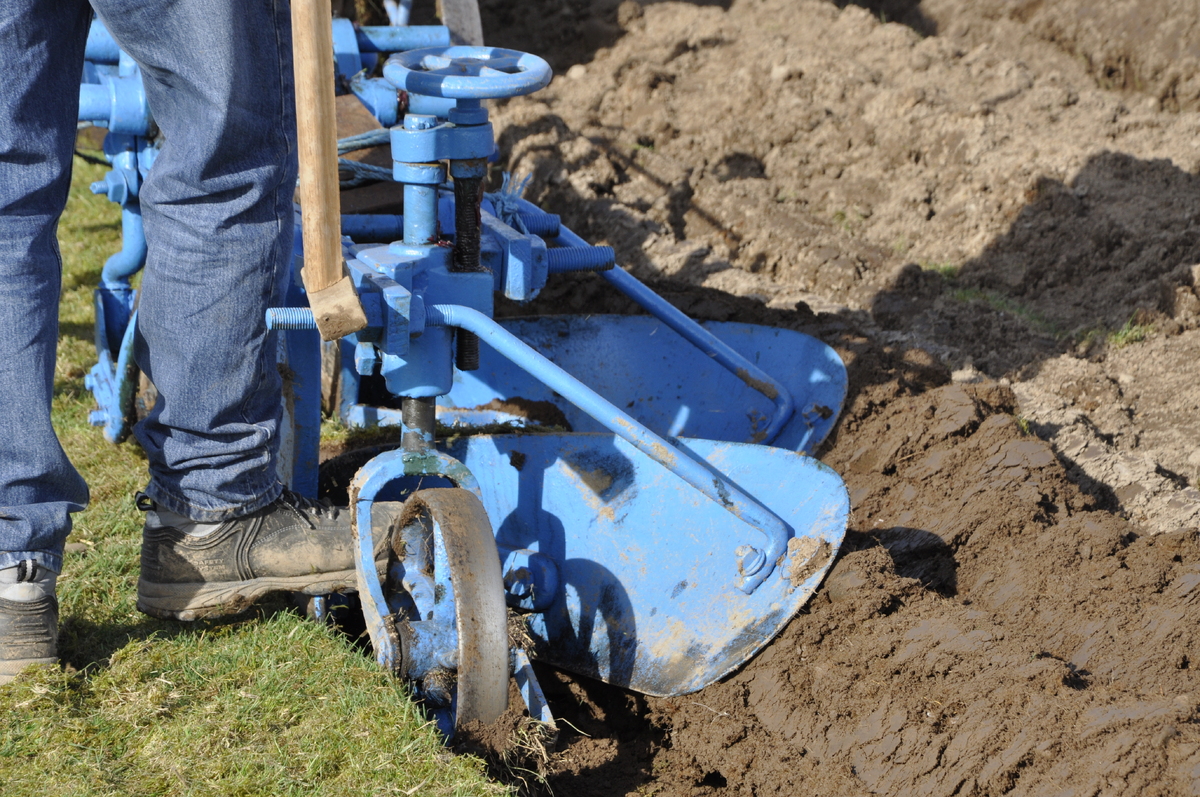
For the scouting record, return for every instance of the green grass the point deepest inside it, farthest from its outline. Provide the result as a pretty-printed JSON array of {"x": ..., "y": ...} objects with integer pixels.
[
  {"x": 1033, "y": 319},
  {"x": 947, "y": 271},
  {"x": 1129, "y": 333},
  {"x": 268, "y": 704}
]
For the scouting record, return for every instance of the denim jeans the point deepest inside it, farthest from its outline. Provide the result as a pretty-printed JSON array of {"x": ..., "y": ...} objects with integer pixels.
[{"x": 217, "y": 209}]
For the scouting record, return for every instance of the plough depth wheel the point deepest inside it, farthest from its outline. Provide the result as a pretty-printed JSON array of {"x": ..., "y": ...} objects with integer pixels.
[{"x": 445, "y": 598}]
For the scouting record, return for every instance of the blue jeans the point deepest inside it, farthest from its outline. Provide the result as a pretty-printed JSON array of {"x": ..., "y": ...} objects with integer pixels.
[{"x": 218, "y": 218}]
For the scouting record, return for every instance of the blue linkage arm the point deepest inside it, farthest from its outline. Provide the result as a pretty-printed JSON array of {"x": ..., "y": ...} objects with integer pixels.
[
  {"x": 697, "y": 335},
  {"x": 754, "y": 565}
]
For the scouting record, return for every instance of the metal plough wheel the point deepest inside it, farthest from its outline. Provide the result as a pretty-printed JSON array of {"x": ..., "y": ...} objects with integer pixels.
[{"x": 446, "y": 595}]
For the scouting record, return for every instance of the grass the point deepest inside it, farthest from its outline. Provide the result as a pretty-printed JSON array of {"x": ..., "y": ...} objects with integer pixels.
[
  {"x": 1033, "y": 319},
  {"x": 267, "y": 704},
  {"x": 1130, "y": 333},
  {"x": 947, "y": 271}
]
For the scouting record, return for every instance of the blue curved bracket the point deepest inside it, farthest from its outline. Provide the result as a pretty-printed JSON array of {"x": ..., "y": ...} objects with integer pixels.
[{"x": 370, "y": 480}]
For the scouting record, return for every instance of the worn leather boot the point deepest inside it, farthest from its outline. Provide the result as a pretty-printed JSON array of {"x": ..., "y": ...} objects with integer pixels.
[
  {"x": 28, "y": 618},
  {"x": 291, "y": 545}
]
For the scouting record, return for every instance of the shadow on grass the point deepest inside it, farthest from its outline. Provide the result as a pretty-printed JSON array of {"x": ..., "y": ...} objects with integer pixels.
[
  {"x": 87, "y": 645},
  {"x": 73, "y": 329}
]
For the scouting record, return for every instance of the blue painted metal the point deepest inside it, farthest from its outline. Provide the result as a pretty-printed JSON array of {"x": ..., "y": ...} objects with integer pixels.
[
  {"x": 299, "y": 358},
  {"x": 438, "y": 141},
  {"x": 638, "y": 363},
  {"x": 753, "y": 564},
  {"x": 694, "y": 333},
  {"x": 393, "y": 39},
  {"x": 467, "y": 72},
  {"x": 389, "y": 471},
  {"x": 520, "y": 263},
  {"x": 382, "y": 100},
  {"x": 645, "y": 602},
  {"x": 356, "y": 48},
  {"x": 115, "y": 376},
  {"x": 531, "y": 693},
  {"x": 113, "y": 379},
  {"x": 584, "y": 258},
  {"x": 372, "y": 226},
  {"x": 117, "y": 101},
  {"x": 101, "y": 47},
  {"x": 347, "y": 60}
]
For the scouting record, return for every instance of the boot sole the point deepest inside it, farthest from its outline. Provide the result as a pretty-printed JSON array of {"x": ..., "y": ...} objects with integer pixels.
[
  {"x": 11, "y": 668},
  {"x": 207, "y": 599}
]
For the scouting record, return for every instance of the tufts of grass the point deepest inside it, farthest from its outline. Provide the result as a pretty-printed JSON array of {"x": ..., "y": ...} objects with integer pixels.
[
  {"x": 269, "y": 704},
  {"x": 1003, "y": 304},
  {"x": 947, "y": 271},
  {"x": 842, "y": 220},
  {"x": 1131, "y": 332}
]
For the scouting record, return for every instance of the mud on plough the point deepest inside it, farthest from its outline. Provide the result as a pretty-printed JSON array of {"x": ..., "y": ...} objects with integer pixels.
[{"x": 667, "y": 525}]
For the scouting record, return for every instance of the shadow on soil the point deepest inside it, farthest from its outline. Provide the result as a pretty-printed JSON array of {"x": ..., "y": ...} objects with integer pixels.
[
  {"x": 1082, "y": 260},
  {"x": 906, "y": 12},
  {"x": 570, "y": 32},
  {"x": 564, "y": 32}
]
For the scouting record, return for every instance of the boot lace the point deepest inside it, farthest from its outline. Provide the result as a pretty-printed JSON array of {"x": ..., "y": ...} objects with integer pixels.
[{"x": 305, "y": 508}]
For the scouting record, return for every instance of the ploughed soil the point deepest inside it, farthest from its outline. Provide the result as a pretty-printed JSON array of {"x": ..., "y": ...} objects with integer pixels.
[{"x": 991, "y": 209}]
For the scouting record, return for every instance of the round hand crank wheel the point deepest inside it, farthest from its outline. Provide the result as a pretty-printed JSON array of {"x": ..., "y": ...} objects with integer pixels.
[{"x": 478, "y": 73}]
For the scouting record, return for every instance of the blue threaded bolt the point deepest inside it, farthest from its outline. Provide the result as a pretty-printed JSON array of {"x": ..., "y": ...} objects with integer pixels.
[
  {"x": 581, "y": 258},
  {"x": 543, "y": 225},
  {"x": 288, "y": 318}
]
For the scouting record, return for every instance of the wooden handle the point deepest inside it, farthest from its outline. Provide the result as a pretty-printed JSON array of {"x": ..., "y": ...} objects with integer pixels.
[{"x": 331, "y": 295}]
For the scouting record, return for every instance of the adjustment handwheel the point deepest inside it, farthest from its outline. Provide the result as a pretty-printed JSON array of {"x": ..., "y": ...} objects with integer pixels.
[{"x": 467, "y": 73}]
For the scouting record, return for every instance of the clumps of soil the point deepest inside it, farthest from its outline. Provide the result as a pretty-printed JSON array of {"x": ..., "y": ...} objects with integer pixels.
[
  {"x": 542, "y": 413},
  {"x": 985, "y": 630},
  {"x": 516, "y": 748}
]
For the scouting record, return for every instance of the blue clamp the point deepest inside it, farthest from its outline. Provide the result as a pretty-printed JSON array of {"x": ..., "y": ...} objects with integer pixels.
[{"x": 117, "y": 102}]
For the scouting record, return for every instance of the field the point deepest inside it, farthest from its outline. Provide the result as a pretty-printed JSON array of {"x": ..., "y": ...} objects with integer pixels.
[{"x": 992, "y": 211}]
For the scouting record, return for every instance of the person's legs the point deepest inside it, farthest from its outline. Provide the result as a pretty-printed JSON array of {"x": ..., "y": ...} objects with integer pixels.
[
  {"x": 41, "y": 57},
  {"x": 218, "y": 214}
]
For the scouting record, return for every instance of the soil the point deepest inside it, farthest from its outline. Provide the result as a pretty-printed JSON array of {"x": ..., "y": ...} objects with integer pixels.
[{"x": 991, "y": 209}]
